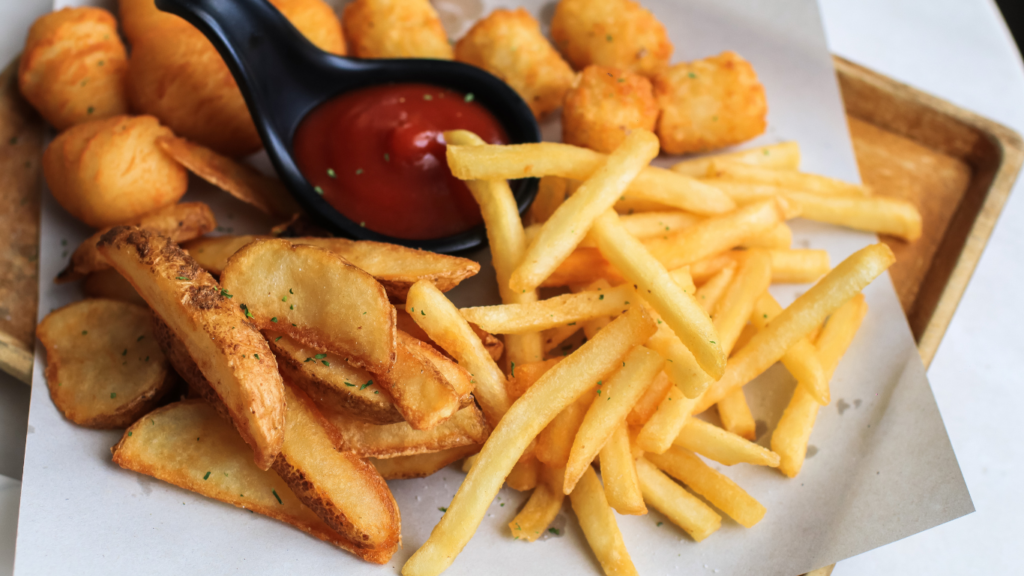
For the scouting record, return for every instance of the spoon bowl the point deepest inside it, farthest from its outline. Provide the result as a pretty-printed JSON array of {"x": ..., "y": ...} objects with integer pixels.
[{"x": 283, "y": 77}]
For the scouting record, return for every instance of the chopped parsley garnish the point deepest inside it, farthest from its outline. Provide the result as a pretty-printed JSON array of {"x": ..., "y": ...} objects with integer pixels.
[
  {"x": 84, "y": 332},
  {"x": 513, "y": 370},
  {"x": 129, "y": 433},
  {"x": 608, "y": 37},
  {"x": 182, "y": 278},
  {"x": 368, "y": 382},
  {"x": 125, "y": 353},
  {"x": 442, "y": 508},
  {"x": 325, "y": 362},
  {"x": 349, "y": 384},
  {"x": 278, "y": 338},
  {"x": 318, "y": 190},
  {"x": 659, "y": 524},
  {"x": 601, "y": 297},
  {"x": 207, "y": 477},
  {"x": 274, "y": 319},
  {"x": 113, "y": 394},
  {"x": 256, "y": 356},
  {"x": 692, "y": 75},
  {"x": 90, "y": 110},
  {"x": 359, "y": 171},
  {"x": 290, "y": 291},
  {"x": 224, "y": 292},
  {"x": 331, "y": 173},
  {"x": 274, "y": 490},
  {"x": 387, "y": 157},
  {"x": 554, "y": 531},
  {"x": 320, "y": 356},
  {"x": 428, "y": 97},
  {"x": 246, "y": 310},
  {"x": 571, "y": 324},
  {"x": 469, "y": 97},
  {"x": 422, "y": 313}
]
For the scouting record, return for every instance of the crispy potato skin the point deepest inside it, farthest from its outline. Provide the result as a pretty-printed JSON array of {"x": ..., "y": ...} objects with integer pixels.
[
  {"x": 510, "y": 45},
  {"x": 108, "y": 171},
  {"x": 176, "y": 353},
  {"x": 73, "y": 67},
  {"x": 176, "y": 75},
  {"x": 230, "y": 352},
  {"x": 466, "y": 427},
  {"x": 709, "y": 104},
  {"x": 420, "y": 465},
  {"x": 617, "y": 33},
  {"x": 395, "y": 29},
  {"x": 91, "y": 381},
  {"x": 605, "y": 105},
  {"x": 111, "y": 285}
]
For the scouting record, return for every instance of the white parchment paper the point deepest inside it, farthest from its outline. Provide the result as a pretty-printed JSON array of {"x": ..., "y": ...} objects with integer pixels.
[{"x": 879, "y": 468}]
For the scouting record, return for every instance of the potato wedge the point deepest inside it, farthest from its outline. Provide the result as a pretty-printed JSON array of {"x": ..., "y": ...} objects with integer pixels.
[
  {"x": 332, "y": 382},
  {"x": 230, "y": 352},
  {"x": 495, "y": 347},
  {"x": 466, "y": 427},
  {"x": 104, "y": 369},
  {"x": 419, "y": 388},
  {"x": 111, "y": 285},
  {"x": 344, "y": 490},
  {"x": 213, "y": 252},
  {"x": 163, "y": 445},
  {"x": 179, "y": 358},
  {"x": 179, "y": 222},
  {"x": 315, "y": 297},
  {"x": 420, "y": 465}
]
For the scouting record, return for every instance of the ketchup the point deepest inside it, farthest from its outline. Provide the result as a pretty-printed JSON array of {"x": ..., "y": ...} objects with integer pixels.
[{"x": 378, "y": 156}]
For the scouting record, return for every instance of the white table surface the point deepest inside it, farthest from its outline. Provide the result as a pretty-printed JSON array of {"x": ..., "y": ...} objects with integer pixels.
[{"x": 959, "y": 50}]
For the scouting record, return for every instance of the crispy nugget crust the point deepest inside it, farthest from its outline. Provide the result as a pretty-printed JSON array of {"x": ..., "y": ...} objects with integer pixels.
[{"x": 605, "y": 105}]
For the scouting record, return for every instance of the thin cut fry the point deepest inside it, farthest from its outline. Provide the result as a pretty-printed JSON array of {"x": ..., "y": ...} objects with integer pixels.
[
  {"x": 684, "y": 509},
  {"x": 662, "y": 428},
  {"x": 812, "y": 183},
  {"x": 781, "y": 156},
  {"x": 466, "y": 427},
  {"x": 551, "y": 192},
  {"x": 554, "y": 443},
  {"x": 722, "y": 446},
  {"x": 778, "y": 237},
  {"x": 714, "y": 486},
  {"x": 649, "y": 401},
  {"x": 802, "y": 316},
  {"x": 599, "y": 526},
  {"x": 800, "y": 359},
  {"x": 736, "y": 416},
  {"x": 711, "y": 291},
  {"x": 572, "y": 220},
  {"x": 621, "y": 486},
  {"x": 733, "y": 309},
  {"x": 680, "y": 364},
  {"x": 571, "y": 378},
  {"x": 524, "y": 376},
  {"x": 564, "y": 310},
  {"x": 893, "y": 216},
  {"x": 544, "y": 504},
  {"x": 798, "y": 266},
  {"x": 551, "y": 339},
  {"x": 525, "y": 474},
  {"x": 702, "y": 270}
]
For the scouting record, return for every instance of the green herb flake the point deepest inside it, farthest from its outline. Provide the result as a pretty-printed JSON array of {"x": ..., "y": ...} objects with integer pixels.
[
  {"x": 291, "y": 307},
  {"x": 608, "y": 37},
  {"x": 278, "y": 338},
  {"x": 469, "y": 97},
  {"x": 659, "y": 524},
  {"x": 207, "y": 477},
  {"x": 246, "y": 310},
  {"x": 129, "y": 433},
  {"x": 601, "y": 297},
  {"x": 422, "y": 313},
  {"x": 502, "y": 504},
  {"x": 513, "y": 374},
  {"x": 256, "y": 356},
  {"x": 766, "y": 152},
  {"x": 274, "y": 490},
  {"x": 554, "y": 531},
  {"x": 320, "y": 356},
  {"x": 350, "y": 384},
  {"x": 274, "y": 319},
  {"x": 428, "y": 97},
  {"x": 364, "y": 386},
  {"x": 224, "y": 292},
  {"x": 387, "y": 157},
  {"x": 442, "y": 508},
  {"x": 125, "y": 353},
  {"x": 692, "y": 75},
  {"x": 90, "y": 110},
  {"x": 183, "y": 278},
  {"x": 325, "y": 362},
  {"x": 318, "y": 190},
  {"x": 359, "y": 171},
  {"x": 113, "y": 394},
  {"x": 332, "y": 173},
  {"x": 290, "y": 291},
  {"x": 84, "y": 332}
]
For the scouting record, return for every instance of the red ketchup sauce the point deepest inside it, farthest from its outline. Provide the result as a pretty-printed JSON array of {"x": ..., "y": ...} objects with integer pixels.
[{"x": 378, "y": 156}]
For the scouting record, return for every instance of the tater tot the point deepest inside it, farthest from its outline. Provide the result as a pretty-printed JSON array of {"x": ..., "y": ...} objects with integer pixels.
[
  {"x": 709, "y": 104},
  {"x": 509, "y": 44},
  {"x": 395, "y": 29},
  {"x": 617, "y": 33},
  {"x": 73, "y": 67},
  {"x": 605, "y": 105},
  {"x": 108, "y": 171},
  {"x": 176, "y": 75}
]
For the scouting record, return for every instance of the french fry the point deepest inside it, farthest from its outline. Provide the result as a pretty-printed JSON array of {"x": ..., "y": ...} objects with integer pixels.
[
  {"x": 583, "y": 266},
  {"x": 420, "y": 465},
  {"x": 736, "y": 416},
  {"x": 718, "y": 234},
  {"x": 525, "y": 474},
  {"x": 466, "y": 427},
  {"x": 551, "y": 192},
  {"x": 599, "y": 526},
  {"x": 641, "y": 226},
  {"x": 680, "y": 364},
  {"x": 733, "y": 309},
  {"x": 778, "y": 237},
  {"x": 551, "y": 339},
  {"x": 682, "y": 277},
  {"x": 522, "y": 377},
  {"x": 702, "y": 270},
  {"x": 812, "y": 183},
  {"x": 653, "y": 185},
  {"x": 796, "y": 321},
  {"x": 441, "y": 320},
  {"x": 893, "y": 216},
  {"x": 554, "y": 443},
  {"x": 649, "y": 401},
  {"x": 559, "y": 387},
  {"x": 664, "y": 425},
  {"x": 230, "y": 352},
  {"x": 455, "y": 377},
  {"x": 722, "y": 446},
  {"x": 608, "y": 411},
  {"x": 406, "y": 324},
  {"x": 744, "y": 193},
  {"x": 677, "y": 309},
  {"x": 621, "y": 486},
  {"x": 789, "y": 440},
  {"x": 212, "y": 252},
  {"x": 564, "y": 310},
  {"x": 800, "y": 359},
  {"x": 748, "y": 332},
  {"x": 508, "y": 246},
  {"x": 711, "y": 291},
  {"x": 684, "y": 509},
  {"x": 544, "y": 504},
  {"x": 572, "y": 220},
  {"x": 798, "y": 266},
  {"x": 714, "y": 486},
  {"x": 781, "y": 156}
]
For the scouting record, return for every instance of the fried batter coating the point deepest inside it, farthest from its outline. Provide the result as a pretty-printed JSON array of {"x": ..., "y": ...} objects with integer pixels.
[
  {"x": 395, "y": 29},
  {"x": 176, "y": 75},
  {"x": 509, "y": 44},
  {"x": 709, "y": 104},
  {"x": 111, "y": 170},
  {"x": 73, "y": 67},
  {"x": 605, "y": 105},
  {"x": 616, "y": 33}
]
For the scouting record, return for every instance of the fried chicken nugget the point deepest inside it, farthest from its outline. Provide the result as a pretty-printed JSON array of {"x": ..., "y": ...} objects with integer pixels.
[
  {"x": 510, "y": 45},
  {"x": 111, "y": 170},
  {"x": 605, "y": 105},
  {"x": 176, "y": 75},
  {"x": 73, "y": 67},
  {"x": 709, "y": 104},
  {"x": 617, "y": 33},
  {"x": 395, "y": 29}
]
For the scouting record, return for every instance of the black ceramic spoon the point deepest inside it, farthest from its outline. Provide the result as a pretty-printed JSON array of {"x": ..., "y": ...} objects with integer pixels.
[{"x": 283, "y": 77}]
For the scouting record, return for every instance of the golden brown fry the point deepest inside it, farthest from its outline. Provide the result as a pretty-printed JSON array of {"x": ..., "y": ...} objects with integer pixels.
[
  {"x": 267, "y": 194},
  {"x": 315, "y": 297},
  {"x": 711, "y": 291},
  {"x": 752, "y": 278},
  {"x": 179, "y": 222},
  {"x": 709, "y": 104},
  {"x": 722, "y": 446},
  {"x": 680, "y": 364},
  {"x": 702, "y": 270},
  {"x": 525, "y": 474},
  {"x": 386, "y": 29},
  {"x": 567, "y": 309},
  {"x": 213, "y": 252},
  {"x": 417, "y": 385},
  {"x": 604, "y": 105},
  {"x": 163, "y": 445},
  {"x": 551, "y": 192},
  {"x": 684, "y": 509},
  {"x": 893, "y": 216},
  {"x": 802, "y": 316},
  {"x": 561, "y": 386},
  {"x": 778, "y": 237},
  {"x": 800, "y": 359},
  {"x": 781, "y": 156},
  {"x": 466, "y": 427},
  {"x": 406, "y": 324},
  {"x": 420, "y": 465},
  {"x": 618, "y": 472},
  {"x": 798, "y": 266},
  {"x": 544, "y": 504},
  {"x": 554, "y": 442},
  {"x": 617, "y": 33},
  {"x": 649, "y": 401},
  {"x": 230, "y": 352},
  {"x": 524, "y": 376},
  {"x": 551, "y": 339},
  {"x": 103, "y": 366},
  {"x": 714, "y": 486},
  {"x": 736, "y": 417},
  {"x": 784, "y": 179},
  {"x": 599, "y": 526},
  {"x": 664, "y": 425},
  {"x": 789, "y": 440}
]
